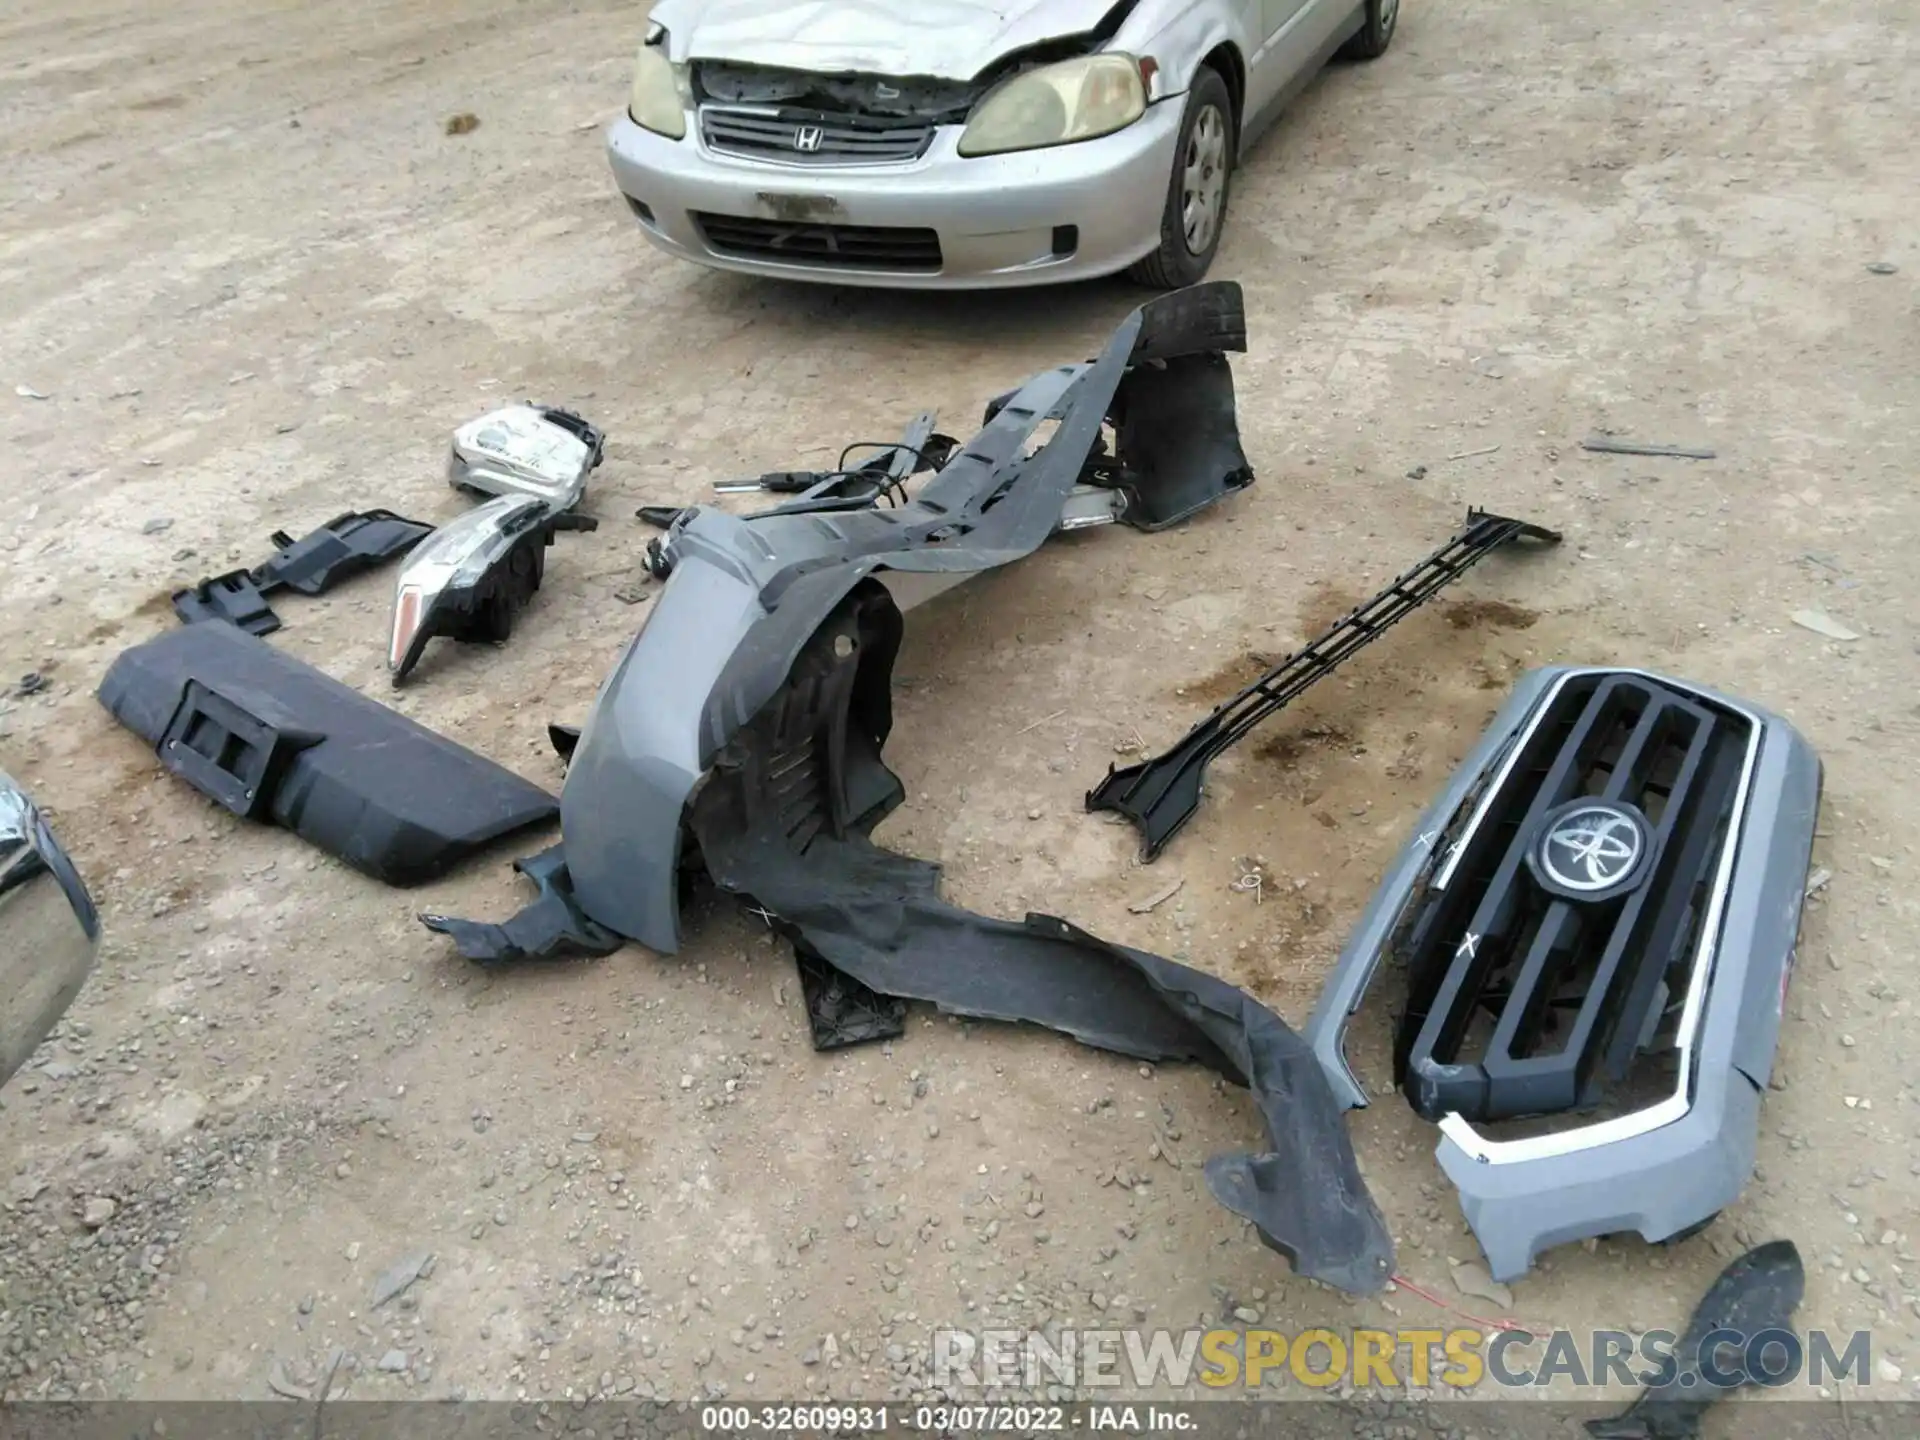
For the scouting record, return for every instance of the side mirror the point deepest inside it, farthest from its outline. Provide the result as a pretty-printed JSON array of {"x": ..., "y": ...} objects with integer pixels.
[{"x": 49, "y": 929}]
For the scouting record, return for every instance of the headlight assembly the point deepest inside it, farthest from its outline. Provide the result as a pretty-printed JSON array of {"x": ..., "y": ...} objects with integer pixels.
[
  {"x": 1056, "y": 104},
  {"x": 657, "y": 103}
]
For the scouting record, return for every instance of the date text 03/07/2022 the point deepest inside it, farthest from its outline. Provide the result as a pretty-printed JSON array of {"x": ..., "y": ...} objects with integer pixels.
[{"x": 823, "y": 1419}]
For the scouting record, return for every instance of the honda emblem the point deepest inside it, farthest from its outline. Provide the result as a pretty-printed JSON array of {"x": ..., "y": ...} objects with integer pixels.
[{"x": 807, "y": 138}]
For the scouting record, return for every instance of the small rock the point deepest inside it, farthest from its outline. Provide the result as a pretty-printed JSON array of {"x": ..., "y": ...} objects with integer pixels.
[
  {"x": 465, "y": 123},
  {"x": 1246, "y": 1314},
  {"x": 1470, "y": 1277},
  {"x": 393, "y": 1362},
  {"x": 396, "y": 1280},
  {"x": 97, "y": 1211},
  {"x": 159, "y": 525},
  {"x": 1882, "y": 267},
  {"x": 27, "y": 392},
  {"x": 1885, "y": 1371},
  {"x": 1821, "y": 623}
]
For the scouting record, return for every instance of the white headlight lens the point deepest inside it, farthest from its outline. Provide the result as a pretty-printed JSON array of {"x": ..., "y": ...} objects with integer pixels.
[
  {"x": 656, "y": 102},
  {"x": 1074, "y": 100}
]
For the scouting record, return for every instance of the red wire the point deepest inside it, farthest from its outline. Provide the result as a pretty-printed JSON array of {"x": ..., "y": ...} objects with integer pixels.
[{"x": 1511, "y": 1325}]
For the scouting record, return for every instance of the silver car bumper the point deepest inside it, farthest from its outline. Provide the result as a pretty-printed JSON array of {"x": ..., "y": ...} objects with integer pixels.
[{"x": 942, "y": 222}]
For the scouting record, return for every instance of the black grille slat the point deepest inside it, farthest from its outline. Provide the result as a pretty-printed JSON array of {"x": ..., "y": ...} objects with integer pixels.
[
  {"x": 814, "y": 137},
  {"x": 875, "y": 247},
  {"x": 1523, "y": 1001}
]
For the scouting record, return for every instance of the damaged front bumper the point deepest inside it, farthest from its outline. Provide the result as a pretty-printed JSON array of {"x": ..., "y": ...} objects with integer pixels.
[
  {"x": 745, "y": 594},
  {"x": 1666, "y": 992}
]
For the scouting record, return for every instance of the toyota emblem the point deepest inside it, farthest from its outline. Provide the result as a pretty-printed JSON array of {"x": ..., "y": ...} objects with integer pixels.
[{"x": 1591, "y": 850}]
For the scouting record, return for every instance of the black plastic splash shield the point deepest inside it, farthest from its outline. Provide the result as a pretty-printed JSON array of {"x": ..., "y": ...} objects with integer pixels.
[
  {"x": 273, "y": 739},
  {"x": 1160, "y": 795},
  {"x": 1755, "y": 1295},
  {"x": 548, "y": 926}
]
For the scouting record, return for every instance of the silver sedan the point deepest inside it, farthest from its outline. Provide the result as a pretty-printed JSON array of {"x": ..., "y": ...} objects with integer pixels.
[{"x": 962, "y": 144}]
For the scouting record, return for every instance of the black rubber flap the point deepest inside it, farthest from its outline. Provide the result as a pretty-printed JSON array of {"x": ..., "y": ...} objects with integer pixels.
[{"x": 270, "y": 737}]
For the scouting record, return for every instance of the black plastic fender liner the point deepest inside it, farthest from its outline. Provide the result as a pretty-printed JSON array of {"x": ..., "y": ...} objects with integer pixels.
[
  {"x": 783, "y": 820},
  {"x": 878, "y": 917},
  {"x": 273, "y": 739}
]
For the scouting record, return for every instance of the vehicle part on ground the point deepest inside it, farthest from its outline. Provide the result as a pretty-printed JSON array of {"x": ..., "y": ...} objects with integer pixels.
[
  {"x": 661, "y": 517},
  {"x": 1160, "y": 795},
  {"x": 1598, "y": 914},
  {"x": 547, "y": 927},
  {"x": 1607, "y": 445},
  {"x": 564, "y": 739},
  {"x": 1756, "y": 1295},
  {"x": 744, "y": 594},
  {"x": 749, "y": 715},
  {"x": 470, "y": 578},
  {"x": 527, "y": 449},
  {"x": 345, "y": 546},
  {"x": 49, "y": 929},
  {"x": 273, "y": 739},
  {"x": 338, "y": 550},
  {"x": 232, "y": 598},
  {"x": 840, "y": 1010},
  {"x": 783, "y": 822}
]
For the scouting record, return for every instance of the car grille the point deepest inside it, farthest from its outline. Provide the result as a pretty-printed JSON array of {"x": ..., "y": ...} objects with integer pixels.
[
  {"x": 813, "y": 137},
  {"x": 1522, "y": 1001},
  {"x": 851, "y": 247}
]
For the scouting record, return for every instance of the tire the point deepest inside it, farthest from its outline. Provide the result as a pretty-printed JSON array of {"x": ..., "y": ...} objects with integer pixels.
[
  {"x": 1370, "y": 42},
  {"x": 1207, "y": 137}
]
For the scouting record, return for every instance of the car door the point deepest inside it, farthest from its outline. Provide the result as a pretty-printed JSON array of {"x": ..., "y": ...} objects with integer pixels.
[{"x": 1273, "y": 63}]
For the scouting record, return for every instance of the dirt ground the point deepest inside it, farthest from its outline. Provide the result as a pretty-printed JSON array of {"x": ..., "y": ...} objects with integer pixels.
[{"x": 257, "y": 283}]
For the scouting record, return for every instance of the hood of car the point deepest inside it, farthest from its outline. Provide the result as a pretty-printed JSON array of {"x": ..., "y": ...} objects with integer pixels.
[{"x": 953, "y": 39}]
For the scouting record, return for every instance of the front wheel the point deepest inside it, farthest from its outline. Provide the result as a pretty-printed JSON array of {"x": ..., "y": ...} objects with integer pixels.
[
  {"x": 1197, "y": 191},
  {"x": 1375, "y": 34}
]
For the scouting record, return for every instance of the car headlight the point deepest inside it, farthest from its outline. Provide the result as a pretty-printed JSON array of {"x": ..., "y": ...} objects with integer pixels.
[
  {"x": 1056, "y": 104},
  {"x": 656, "y": 102}
]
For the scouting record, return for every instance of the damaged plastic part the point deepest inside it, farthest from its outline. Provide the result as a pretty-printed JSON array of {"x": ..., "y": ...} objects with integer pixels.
[
  {"x": 1598, "y": 918},
  {"x": 527, "y": 449},
  {"x": 1755, "y": 1296},
  {"x": 473, "y": 575},
  {"x": 1160, "y": 795},
  {"x": 232, "y": 598},
  {"x": 783, "y": 822},
  {"x": 744, "y": 594},
  {"x": 345, "y": 546},
  {"x": 840, "y": 1010},
  {"x": 549, "y": 926},
  {"x": 273, "y": 739},
  {"x": 338, "y": 550}
]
